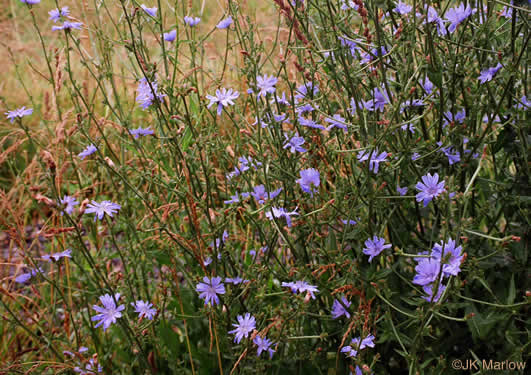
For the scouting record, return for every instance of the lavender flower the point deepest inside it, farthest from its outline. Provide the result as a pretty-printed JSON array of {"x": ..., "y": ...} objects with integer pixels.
[
  {"x": 487, "y": 74},
  {"x": 358, "y": 344},
  {"x": 20, "y": 112},
  {"x": 376, "y": 159},
  {"x": 453, "y": 155},
  {"x": 280, "y": 99},
  {"x": 308, "y": 178},
  {"x": 141, "y": 132},
  {"x": 109, "y": 312},
  {"x": 70, "y": 203},
  {"x": 374, "y": 247},
  {"x": 30, "y": 2},
  {"x": 191, "y": 21},
  {"x": 22, "y": 278},
  {"x": 456, "y": 15},
  {"x": 225, "y": 23},
  {"x": 301, "y": 287},
  {"x": 246, "y": 324},
  {"x": 209, "y": 290},
  {"x": 427, "y": 85},
  {"x": 429, "y": 188},
  {"x": 67, "y": 25},
  {"x": 147, "y": 93},
  {"x": 223, "y": 98},
  {"x": 294, "y": 144},
  {"x": 401, "y": 190},
  {"x": 380, "y": 99},
  {"x": 91, "y": 368},
  {"x": 170, "y": 36},
  {"x": 151, "y": 11},
  {"x": 56, "y": 14},
  {"x": 338, "y": 310},
  {"x": 261, "y": 195},
  {"x": 100, "y": 209},
  {"x": 88, "y": 151},
  {"x": 336, "y": 122},
  {"x": 427, "y": 270},
  {"x": 433, "y": 17},
  {"x": 403, "y": 8},
  {"x": 428, "y": 289},
  {"x": 310, "y": 123},
  {"x": 57, "y": 256},
  {"x": 281, "y": 212},
  {"x": 266, "y": 84},
  {"x": 308, "y": 90},
  {"x": 349, "y": 222},
  {"x": 236, "y": 280},
  {"x": 144, "y": 309},
  {"x": 451, "y": 257},
  {"x": 264, "y": 345},
  {"x": 415, "y": 156}
]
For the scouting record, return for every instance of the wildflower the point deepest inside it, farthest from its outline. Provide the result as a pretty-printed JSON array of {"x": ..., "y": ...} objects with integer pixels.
[
  {"x": 310, "y": 123},
  {"x": 301, "y": 287},
  {"x": 367, "y": 57},
  {"x": 380, "y": 99},
  {"x": 304, "y": 109},
  {"x": 427, "y": 85},
  {"x": 261, "y": 195},
  {"x": 141, "y": 132},
  {"x": 338, "y": 310},
  {"x": 263, "y": 344},
  {"x": 236, "y": 280},
  {"x": 281, "y": 212},
  {"x": 57, "y": 256},
  {"x": 69, "y": 203},
  {"x": 147, "y": 93},
  {"x": 428, "y": 289},
  {"x": 403, "y": 8},
  {"x": 67, "y": 25},
  {"x": 401, "y": 190},
  {"x": 233, "y": 199},
  {"x": 336, "y": 122},
  {"x": 191, "y": 21},
  {"x": 209, "y": 289},
  {"x": 294, "y": 144},
  {"x": 170, "y": 37},
  {"x": 20, "y": 112},
  {"x": 433, "y": 17},
  {"x": 429, "y": 188},
  {"x": 280, "y": 99},
  {"x": 349, "y": 222},
  {"x": 415, "y": 156},
  {"x": 100, "y": 209},
  {"x": 144, "y": 309},
  {"x": 453, "y": 155},
  {"x": 507, "y": 12},
  {"x": 427, "y": 270},
  {"x": 219, "y": 241},
  {"x": 309, "y": 177},
  {"x": 456, "y": 15},
  {"x": 151, "y": 11},
  {"x": 30, "y": 2},
  {"x": 22, "y": 278},
  {"x": 246, "y": 324},
  {"x": 266, "y": 84},
  {"x": 450, "y": 255},
  {"x": 346, "y": 5},
  {"x": 487, "y": 74},
  {"x": 88, "y": 151},
  {"x": 306, "y": 90},
  {"x": 358, "y": 344},
  {"x": 109, "y": 312},
  {"x": 375, "y": 161},
  {"x": 450, "y": 117},
  {"x": 225, "y": 23},
  {"x": 375, "y": 246},
  {"x": 411, "y": 103},
  {"x": 524, "y": 103},
  {"x": 409, "y": 127},
  {"x": 223, "y": 97},
  {"x": 90, "y": 368},
  {"x": 56, "y": 14}
]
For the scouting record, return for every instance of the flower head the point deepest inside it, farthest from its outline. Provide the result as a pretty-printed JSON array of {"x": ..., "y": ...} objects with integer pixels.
[
  {"x": 403, "y": 8},
  {"x": 429, "y": 290},
  {"x": 429, "y": 188},
  {"x": 266, "y": 84},
  {"x": 209, "y": 289},
  {"x": 338, "y": 310},
  {"x": 147, "y": 93},
  {"x": 246, "y": 324},
  {"x": 151, "y": 11},
  {"x": 31, "y": 2},
  {"x": 69, "y": 203},
  {"x": 487, "y": 74},
  {"x": 88, "y": 151},
  {"x": 191, "y": 21},
  {"x": 67, "y": 25},
  {"x": 450, "y": 256},
  {"x": 225, "y": 23},
  {"x": 102, "y": 208},
  {"x": 170, "y": 36},
  {"x": 278, "y": 212},
  {"x": 456, "y": 15},
  {"x": 57, "y": 256},
  {"x": 375, "y": 246},
  {"x": 20, "y": 112},
  {"x": 308, "y": 178},
  {"x": 295, "y": 143},
  {"x": 261, "y": 195},
  {"x": 223, "y": 98},
  {"x": 144, "y": 309},
  {"x": 109, "y": 312},
  {"x": 337, "y": 121},
  {"x": 141, "y": 132},
  {"x": 308, "y": 90},
  {"x": 56, "y": 14},
  {"x": 427, "y": 270},
  {"x": 264, "y": 345}
]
